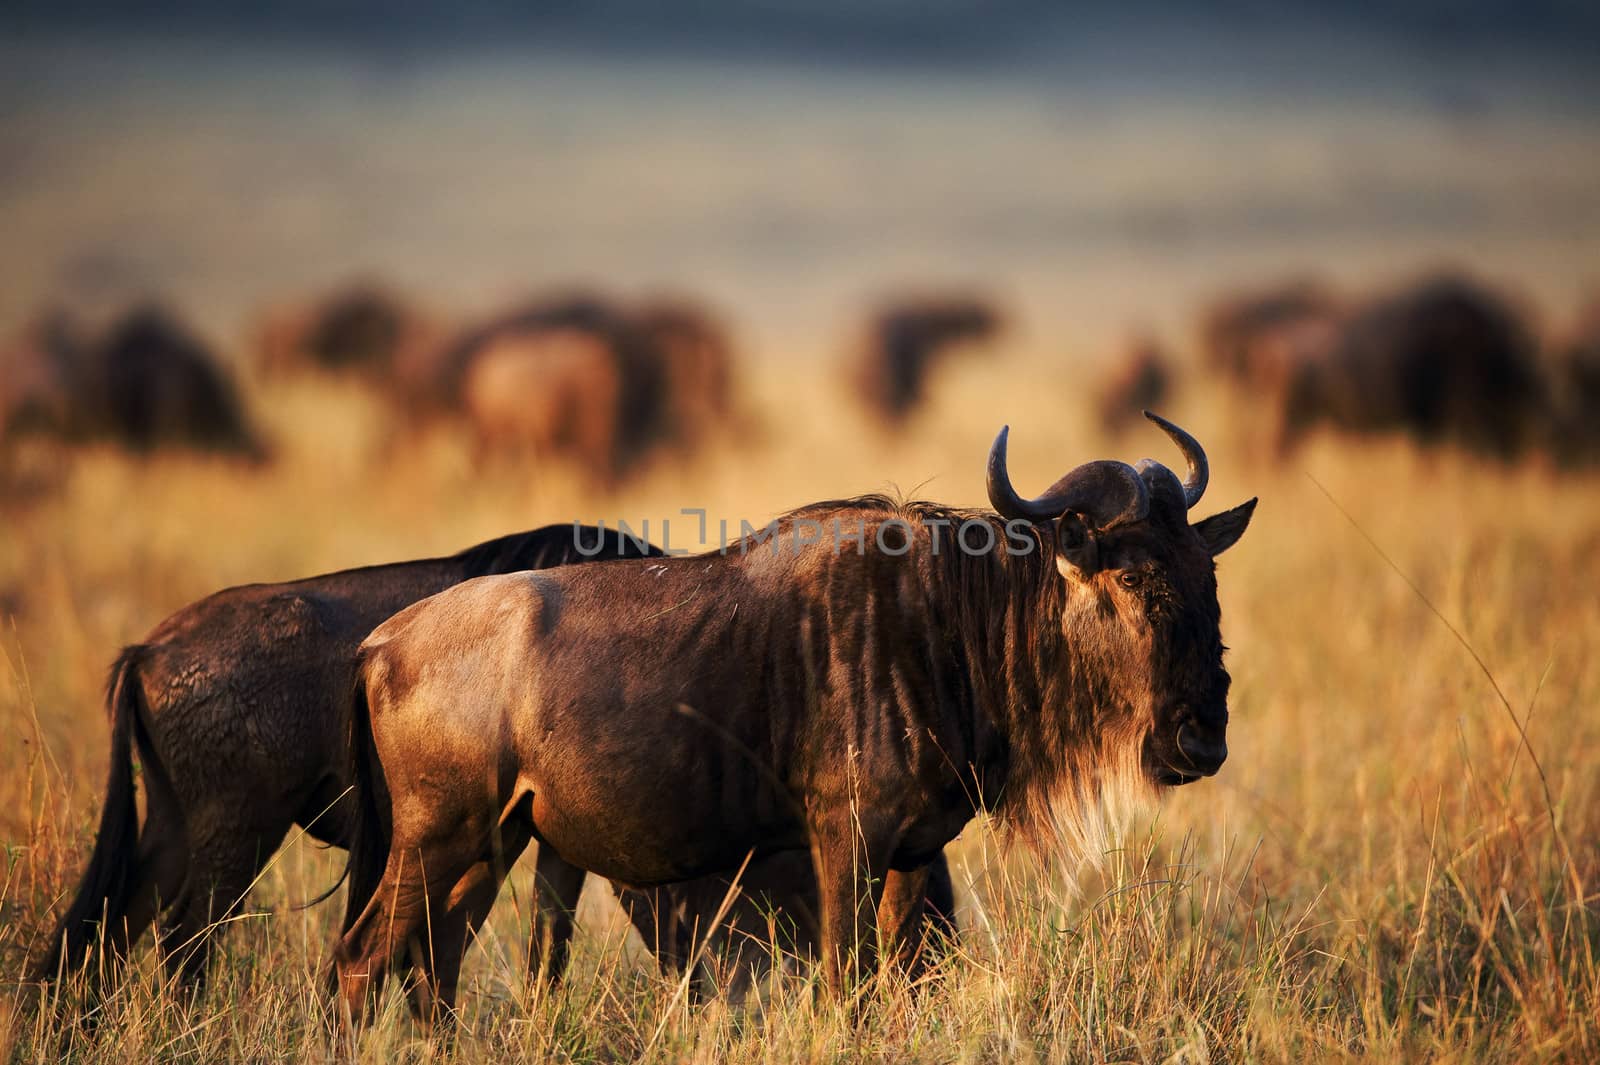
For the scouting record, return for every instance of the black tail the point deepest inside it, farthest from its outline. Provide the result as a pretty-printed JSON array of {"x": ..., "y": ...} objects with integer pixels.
[
  {"x": 107, "y": 885},
  {"x": 369, "y": 835}
]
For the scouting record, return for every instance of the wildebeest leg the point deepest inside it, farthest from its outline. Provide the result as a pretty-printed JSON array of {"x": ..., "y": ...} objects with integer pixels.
[
  {"x": 939, "y": 931},
  {"x": 418, "y": 877},
  {"x": 850, "y": 864},
  {"x": 558, "y": 884},
  {"x": 654, "y": 916},
  {"x": 467, "y": 908},
  {"x": 900, "y": 918},
  {"x": 223, "y": 864},
  {"x": 158, "y": 876}
]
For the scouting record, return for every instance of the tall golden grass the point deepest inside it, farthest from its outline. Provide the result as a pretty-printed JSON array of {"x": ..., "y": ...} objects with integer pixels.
[{"x": 1399, "y": 860}]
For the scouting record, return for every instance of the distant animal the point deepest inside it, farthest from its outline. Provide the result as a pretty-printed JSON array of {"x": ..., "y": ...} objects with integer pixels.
[
  {"x": 659, "y": 720},
  {"x": 1140, "y": 380},
  {"x": 697, "y": 368},
  {"x": 159, "y": 386},
  {"x": 1445, "y": 359},
  {"x": 907, "y": 338},
  {"x": 146, "y": 382},
  {"x": 632, "y": 386},
  {"x": 553, "y": 392},
  {"x": 238, "y": 706},
  {"x": 1257, "y": 338},
  {"x": 362, "y": 328},
  {"x": 40, "y": 373},
  {"x": 568, "y": 382},
  {"x": 1575, "y": 390}
]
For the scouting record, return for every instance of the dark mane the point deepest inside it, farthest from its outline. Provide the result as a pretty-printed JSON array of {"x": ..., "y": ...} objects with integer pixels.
[
  {"x": 550, "y": 545},
  {"x": 1003, "y": 610},
  {"x": 1000, "y": 613}
]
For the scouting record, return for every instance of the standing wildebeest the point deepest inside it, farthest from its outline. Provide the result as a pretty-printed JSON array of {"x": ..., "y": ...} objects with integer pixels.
[
  {"x": 159, "y": 385},
  {"x": 1257, "y": 338},
  {"x": 1140, "y": 380},
  {"x": 906, "y": 339},
  {"x": 1446, "y": 359},
  {"x": 239, "y": 705},
  {"x": 660, "y": 720},
  {"x": 146, "y": 382},
  {"x": 39, "y": 372},
  {"x": 239, "y": 708},
  {"x": 697, "y": 367},
  {"x": 362, "y": 328},
  {"x": 1575, "y": 390},
  {"x": 592, "y": 381},
  {"x": 544, "y": 393},
  {"x": 624, "y": 365}
]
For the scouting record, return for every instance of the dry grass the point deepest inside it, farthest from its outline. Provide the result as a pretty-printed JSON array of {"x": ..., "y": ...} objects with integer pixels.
[{"x": 1383, "y": 869}]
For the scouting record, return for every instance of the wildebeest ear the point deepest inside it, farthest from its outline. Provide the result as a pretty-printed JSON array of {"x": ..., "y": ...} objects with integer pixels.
[
  {"x": 1076, "y": 548},
  {"x": 1222, "y": 531}
]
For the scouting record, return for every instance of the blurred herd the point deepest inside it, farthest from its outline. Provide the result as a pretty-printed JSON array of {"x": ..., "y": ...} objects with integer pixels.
[
  {"x": 1446, "y": 359},
  {"x": 605, "y": 383}
]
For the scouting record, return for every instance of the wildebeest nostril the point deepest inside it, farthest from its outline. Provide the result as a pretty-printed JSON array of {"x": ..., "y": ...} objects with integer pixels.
[{"x": 1205, "y": 749}]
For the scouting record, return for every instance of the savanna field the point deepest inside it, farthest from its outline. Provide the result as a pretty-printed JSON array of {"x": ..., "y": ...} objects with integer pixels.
[{"x": 1400, "y": 860}]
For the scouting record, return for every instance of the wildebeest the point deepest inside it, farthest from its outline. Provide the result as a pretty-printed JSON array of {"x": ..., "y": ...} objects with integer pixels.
[
  {"x": 145, "y": 382},
  {"x": 623, "y": 366},
  {"x": 907, "y": 338},
  {"x": 853, "y": 692},
  {"x": 697, "y": 367},
  {"x": 595, "y": 381},
  {"x": 1141, "y": 379},
  {"x": 1446, "y": 359},
  {"x": 362, "y": 327},
  {"x": 1257, "y": 338},
  {"x": 546, "y": 392},
  {"x": 40, "y": 369},
  {"x": 160, "y": 386},
  {"x": 238, "y": 706},
  {"x": 1575, "y": 390}
]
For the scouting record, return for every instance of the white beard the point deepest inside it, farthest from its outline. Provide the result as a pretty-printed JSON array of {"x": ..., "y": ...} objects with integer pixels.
[{"x": 1091, "y": 813}]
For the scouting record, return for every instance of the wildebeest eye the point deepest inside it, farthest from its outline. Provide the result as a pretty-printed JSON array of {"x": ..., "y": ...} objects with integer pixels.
[{"x": 1128, "y": 579}]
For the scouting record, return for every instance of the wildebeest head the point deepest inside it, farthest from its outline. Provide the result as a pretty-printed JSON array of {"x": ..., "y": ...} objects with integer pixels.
[{"x": 1139, "y": 602}]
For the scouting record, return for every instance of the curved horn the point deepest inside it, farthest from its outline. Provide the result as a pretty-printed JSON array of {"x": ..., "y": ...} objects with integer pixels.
[
  {"x": 1163, "y": 484},
  {"x": 1105, "y": 492},
  {"x": 1194, "y": 485},
  {"x": 1002, "y": 496}
]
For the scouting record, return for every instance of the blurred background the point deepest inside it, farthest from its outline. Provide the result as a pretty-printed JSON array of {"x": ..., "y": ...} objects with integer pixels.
[{"x": 1096, "y": 169}]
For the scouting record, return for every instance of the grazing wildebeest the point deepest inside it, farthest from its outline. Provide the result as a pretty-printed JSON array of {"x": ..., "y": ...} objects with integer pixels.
[
  {"x": 145, "y": 382},
  {"x": 361, "y": 327},
  {"x": 1575, "y": 390},
  {"x": 39, "y": 373},
  {"x": 156, "y": 385},
  {"x": 546, "y": 393},
  {"x": 697, "y": 367},
  {"x": 854, "y": 692},
  {"x": 239, "y": 707},
  {"x": 905, "y": 340},
  {"x": 1257, "y": 338},
  {"x": 1141, "y": 379},
  {"x": 1446, "y": 359},
  {"x": 634, "y": 381}
]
